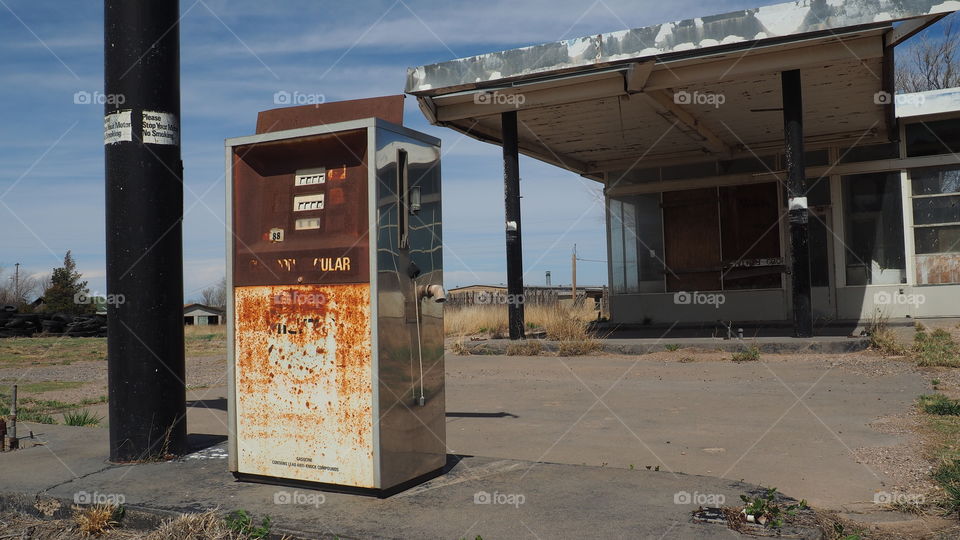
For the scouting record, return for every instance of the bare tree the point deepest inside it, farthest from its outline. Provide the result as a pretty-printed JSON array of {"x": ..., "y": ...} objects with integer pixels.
[
  {"x": 215, "y": 295},
  {"x": 18, "y": 288},
  {"x": 930, "y": 62}
]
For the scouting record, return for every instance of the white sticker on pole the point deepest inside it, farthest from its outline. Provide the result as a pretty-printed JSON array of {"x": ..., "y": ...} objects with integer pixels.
[
  {"x": 117, "y": 127},
  {"x": 798, "y": 203},
  {"x": 161, "y": 128}
]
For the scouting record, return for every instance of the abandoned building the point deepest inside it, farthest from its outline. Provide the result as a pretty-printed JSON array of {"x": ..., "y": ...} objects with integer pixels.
[{"x": 757, "y": 165}]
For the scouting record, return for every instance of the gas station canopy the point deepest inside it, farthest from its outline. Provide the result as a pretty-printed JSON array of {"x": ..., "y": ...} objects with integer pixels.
[{"x": 693, "y": 90}]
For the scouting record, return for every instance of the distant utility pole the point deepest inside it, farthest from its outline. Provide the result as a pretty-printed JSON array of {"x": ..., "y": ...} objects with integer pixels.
[
  {"x": 573, "y": 264},
  {"x": 16, "y": 282},
  {"x": 144, "y": 207}
]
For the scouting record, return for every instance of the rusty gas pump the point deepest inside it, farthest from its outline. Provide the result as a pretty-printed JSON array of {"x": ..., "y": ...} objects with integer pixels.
[{"x": 335, "y": 295}]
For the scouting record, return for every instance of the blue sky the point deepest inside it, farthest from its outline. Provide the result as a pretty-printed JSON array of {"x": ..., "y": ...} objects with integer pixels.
[{"x": 234, "y": 56}]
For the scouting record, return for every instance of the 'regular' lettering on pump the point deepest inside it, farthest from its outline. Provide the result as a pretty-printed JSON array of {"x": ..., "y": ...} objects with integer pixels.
[
  {"x": 323, "y": 264},
  {"x": 332, "y": 264}
]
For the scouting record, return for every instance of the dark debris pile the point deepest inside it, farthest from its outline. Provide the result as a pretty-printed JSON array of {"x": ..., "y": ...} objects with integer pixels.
[{"x": 14, "y": 324}]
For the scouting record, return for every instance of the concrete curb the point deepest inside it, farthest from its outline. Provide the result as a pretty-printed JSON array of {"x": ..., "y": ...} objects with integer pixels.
[{"x": 640, "y": 347}]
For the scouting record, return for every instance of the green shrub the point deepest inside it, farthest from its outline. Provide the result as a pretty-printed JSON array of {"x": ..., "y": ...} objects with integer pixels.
[
  {"x": 81, "y": 418},
  {"x": 948, "y": 476},
  {"x": 751, "y": 354},
  {"x": 940, "y": 404}
]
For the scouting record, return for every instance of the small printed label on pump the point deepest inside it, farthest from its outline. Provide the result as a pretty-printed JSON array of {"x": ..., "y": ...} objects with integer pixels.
[
  {"x": 117, "y": 127},
  {"x": 161, "y": 128}
]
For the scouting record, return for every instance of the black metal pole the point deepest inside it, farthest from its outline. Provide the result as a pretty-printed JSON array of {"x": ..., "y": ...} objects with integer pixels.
[
  {"x": 144, "y": 207},
  {"x": 511, "y": 189},
  {"x": 797, "y": 203}
]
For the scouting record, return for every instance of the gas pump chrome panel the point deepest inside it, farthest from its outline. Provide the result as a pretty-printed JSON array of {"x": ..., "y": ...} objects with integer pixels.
[
  {"x": 412, "y": 436},
  {"x": 326, "y": 329}
]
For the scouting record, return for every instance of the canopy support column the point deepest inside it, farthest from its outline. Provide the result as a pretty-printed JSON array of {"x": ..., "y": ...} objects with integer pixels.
[
  {"x": 797, "y": 203},
  {"x": 511, "y": 188}
]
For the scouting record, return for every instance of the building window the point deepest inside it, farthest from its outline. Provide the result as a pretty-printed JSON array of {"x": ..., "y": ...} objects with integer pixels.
[
  {"x": 936, "y": 224},
  {"x": 873, "y": 229},
  {"x": 636, "y": 240},
  {"x": 870, "y": 152},
  {"x": 932, "y": 138}
]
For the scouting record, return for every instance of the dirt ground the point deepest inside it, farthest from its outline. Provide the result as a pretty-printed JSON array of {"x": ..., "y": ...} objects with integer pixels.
[
  {"x": 542, "y": 396},
  {"x": 63, "y": 374}
]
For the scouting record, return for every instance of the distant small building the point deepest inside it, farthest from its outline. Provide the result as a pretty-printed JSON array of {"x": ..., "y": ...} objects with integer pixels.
[
  {"x": 536, "y": 294},
  {"x": 201, "y": 315}
]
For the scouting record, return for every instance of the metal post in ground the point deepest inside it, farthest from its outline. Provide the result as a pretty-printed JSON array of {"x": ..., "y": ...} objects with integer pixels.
[
  {"x": 12, "y": 429},
  {"x": 797, "y": 203},
  {"x": 144, "y": 211},
  {"x": 511, "y": 185}
]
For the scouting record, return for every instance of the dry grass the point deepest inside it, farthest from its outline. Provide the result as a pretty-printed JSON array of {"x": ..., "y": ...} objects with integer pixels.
[
  {"x": 882, "y": 337},
  {"x": 95, "y": 520},
  {"x": 205, "y": 526},
  {"x": 465, "y": 321},
  {"x": 102, "y": 524},
  {"x": 557, "y": 321},
  {"x": 936, "y": 349},
  {"x": 205, "y": 340},
  {"x": 564, "y": 324},
  {"x": 569, "y": 328},
  {"x": 459, "y": 347},
  {"x": 528, "y": 347},
  {"x": 63, "y": 350},
  {"x": 201, "y": 331},
  {"x": 20, "y": 351}
]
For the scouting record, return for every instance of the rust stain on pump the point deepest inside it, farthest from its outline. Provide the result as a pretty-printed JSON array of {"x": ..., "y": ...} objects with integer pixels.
[{"x": 304, "y": 381}]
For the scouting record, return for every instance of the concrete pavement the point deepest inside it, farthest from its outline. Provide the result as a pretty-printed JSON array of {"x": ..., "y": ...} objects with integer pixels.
[
  {"x": 715, "y": 418},
  {"x": 566, "y": 443},
  {"x": 712, "y": 418},
  {"x": 492, "y": 498}
]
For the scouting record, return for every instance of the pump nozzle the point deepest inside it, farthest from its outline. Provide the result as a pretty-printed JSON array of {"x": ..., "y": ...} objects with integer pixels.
[{"x": 432, "y": 291}]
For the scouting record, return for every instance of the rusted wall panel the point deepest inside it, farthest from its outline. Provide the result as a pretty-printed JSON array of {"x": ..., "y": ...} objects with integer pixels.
[
  {"x": 304, "y": 383},
  {"x": 938, "y": 268},
  {"x": 390, "y": 108}
]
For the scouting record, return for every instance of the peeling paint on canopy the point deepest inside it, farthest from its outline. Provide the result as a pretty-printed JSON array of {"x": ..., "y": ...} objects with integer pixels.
[{"x": 676, "y": 39}]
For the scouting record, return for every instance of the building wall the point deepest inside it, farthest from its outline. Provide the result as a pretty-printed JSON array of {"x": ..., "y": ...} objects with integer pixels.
[
  {"x": 908, "y": 194},
  {"x": 667, "y": 308},
  {"x": 201, "y": 317}
]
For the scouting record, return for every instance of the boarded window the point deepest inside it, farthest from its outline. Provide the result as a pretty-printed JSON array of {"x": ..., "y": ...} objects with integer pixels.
[
  {"x": 722, "y": 238},
  {"x": 692, "y": 240},
  {"x": 750, "y": 233}
]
